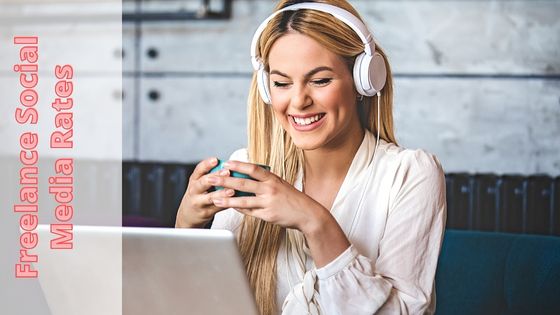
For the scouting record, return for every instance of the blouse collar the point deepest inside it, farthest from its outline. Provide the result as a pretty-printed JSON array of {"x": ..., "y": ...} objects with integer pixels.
[{"x": 362, "y": 159}]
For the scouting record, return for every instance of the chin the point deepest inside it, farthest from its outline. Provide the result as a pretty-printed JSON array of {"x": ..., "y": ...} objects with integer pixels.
[
  {"x": 304, "y": 141},
  {"x": 306, "y": 144}
]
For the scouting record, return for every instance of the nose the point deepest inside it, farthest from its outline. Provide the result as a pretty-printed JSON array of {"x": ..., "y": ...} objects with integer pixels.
[{"x": 300, "y": 97}]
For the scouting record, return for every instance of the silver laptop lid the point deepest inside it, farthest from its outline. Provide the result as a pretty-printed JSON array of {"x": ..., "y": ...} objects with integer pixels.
[{"x": 127, "y": 270}]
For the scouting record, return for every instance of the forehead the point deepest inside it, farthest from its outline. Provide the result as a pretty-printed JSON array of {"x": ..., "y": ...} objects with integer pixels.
[{"x": 295, "y": 52}]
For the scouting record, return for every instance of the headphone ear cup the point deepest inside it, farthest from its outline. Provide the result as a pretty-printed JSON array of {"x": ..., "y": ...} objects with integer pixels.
[
  {"x": 369, "y": 73},
  {"x": 378, "y": 72},
  {"x": 262, "y": 83},
  {"x": 358, "y": 74}
]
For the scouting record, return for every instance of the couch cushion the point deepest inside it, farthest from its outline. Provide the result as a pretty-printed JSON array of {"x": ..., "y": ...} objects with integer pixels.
[
  {"x": 498, "y": 273},
  {"x": 532, "y": 283}
]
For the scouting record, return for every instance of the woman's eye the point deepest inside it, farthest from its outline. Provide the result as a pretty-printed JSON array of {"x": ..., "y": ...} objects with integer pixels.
[
  {"x": 279, "y": 84},
  {"x": 322, "y": 81}
]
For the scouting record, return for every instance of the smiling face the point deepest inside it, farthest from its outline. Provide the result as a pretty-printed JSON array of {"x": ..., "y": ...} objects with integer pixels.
[{"x": 313, "y": 94}]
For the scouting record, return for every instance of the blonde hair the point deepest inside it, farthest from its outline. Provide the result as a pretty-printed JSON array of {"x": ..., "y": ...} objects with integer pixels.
[{"x": 260, "y": 241}]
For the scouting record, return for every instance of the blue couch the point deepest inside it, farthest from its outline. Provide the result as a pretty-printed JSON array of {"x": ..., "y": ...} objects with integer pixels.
[{"x": 498, "y": 273}]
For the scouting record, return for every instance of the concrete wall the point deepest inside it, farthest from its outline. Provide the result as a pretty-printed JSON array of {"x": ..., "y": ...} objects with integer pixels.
[{"x": 476, "y": 82}]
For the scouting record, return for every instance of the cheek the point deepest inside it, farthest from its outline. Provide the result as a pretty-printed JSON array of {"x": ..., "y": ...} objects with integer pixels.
[
  {"x": 280, "y": 101},
  {"x": 280, "y": 113},
  {"x": 332, "y": 100},
  {"x": 277, "y": 107}
]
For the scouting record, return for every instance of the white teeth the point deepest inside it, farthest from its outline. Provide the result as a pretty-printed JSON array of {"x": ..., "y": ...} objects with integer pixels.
[{"x": 306, "y": 121}]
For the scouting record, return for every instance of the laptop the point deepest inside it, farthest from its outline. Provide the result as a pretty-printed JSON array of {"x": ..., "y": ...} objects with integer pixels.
[{"x": 132, "y": 270}]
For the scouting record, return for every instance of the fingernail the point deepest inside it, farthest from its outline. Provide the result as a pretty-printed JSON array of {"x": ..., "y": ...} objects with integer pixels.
[
  {"x": 229, "y": 192},
  {"x": 227, "y": 165},
  {"x": 224, "y": 172},
  {"x": 218, "y": 201},
  {"x": 213, "y": 161}
]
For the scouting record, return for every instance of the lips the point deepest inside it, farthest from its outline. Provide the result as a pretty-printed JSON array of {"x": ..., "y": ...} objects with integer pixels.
[
  {"x": 306, "y": 116},
  {"x": 307, "y": 124}
]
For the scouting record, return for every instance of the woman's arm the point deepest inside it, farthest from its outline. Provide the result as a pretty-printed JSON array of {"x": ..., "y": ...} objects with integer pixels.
[
  {"x": 401, "y": 280},
  {"x": 324, "y": 236}
]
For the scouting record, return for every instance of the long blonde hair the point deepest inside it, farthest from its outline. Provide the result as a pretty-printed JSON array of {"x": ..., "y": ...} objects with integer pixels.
[{"x": 260, "y": 241}]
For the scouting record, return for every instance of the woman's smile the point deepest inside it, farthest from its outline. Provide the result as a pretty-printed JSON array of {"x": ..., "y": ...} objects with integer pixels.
[{"x": 309, "y": 123}]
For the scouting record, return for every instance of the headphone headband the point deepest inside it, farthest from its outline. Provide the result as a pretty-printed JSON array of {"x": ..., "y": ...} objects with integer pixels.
[
  {"x": 369, "y": 71},
  {"x": 348, "y": 18}
]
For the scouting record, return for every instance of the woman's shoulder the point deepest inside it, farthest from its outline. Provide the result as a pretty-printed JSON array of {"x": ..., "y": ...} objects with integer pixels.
[
  {"x": 406, "y": 160},
  {"x": 415, "y": 173}
]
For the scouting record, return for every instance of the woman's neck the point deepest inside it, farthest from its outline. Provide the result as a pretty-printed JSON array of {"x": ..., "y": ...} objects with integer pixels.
[{"x": 332, "y": 163}]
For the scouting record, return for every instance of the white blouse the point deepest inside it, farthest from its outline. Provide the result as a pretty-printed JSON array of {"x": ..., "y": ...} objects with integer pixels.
[{"x": 392, "y": 208}]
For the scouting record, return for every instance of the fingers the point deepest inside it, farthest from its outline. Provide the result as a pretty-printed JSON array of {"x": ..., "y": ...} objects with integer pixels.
[
  {"x": 202, "y": 168},
  {"x": 255, "y": 171},
  {"x": 204, "y": 183},
  {"x": 205, "y": 200},
  {"x": 237, "y": 202},
  {"x": 196, "y": 207},
  {"x": 241, "y": 184}
]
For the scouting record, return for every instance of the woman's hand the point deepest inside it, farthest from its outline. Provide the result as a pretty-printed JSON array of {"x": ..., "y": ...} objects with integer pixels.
[
  {"x": 196, "y": 207},
  {"x": 278, "y": 202},
  {"x": 275, "y": 200}
]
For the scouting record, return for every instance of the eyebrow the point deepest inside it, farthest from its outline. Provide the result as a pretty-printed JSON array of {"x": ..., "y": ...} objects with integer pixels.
[{"x": 308, "y": 74}]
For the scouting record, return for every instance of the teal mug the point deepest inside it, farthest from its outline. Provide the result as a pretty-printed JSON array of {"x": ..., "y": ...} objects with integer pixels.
[{"x": 238, "y": 193}]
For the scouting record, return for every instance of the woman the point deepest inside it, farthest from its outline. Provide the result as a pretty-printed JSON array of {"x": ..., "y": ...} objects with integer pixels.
[{"x": 344, "y": 223}]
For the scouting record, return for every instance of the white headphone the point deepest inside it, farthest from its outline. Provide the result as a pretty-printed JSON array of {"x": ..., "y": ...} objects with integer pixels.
[{"x": 369, "y": 68}]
